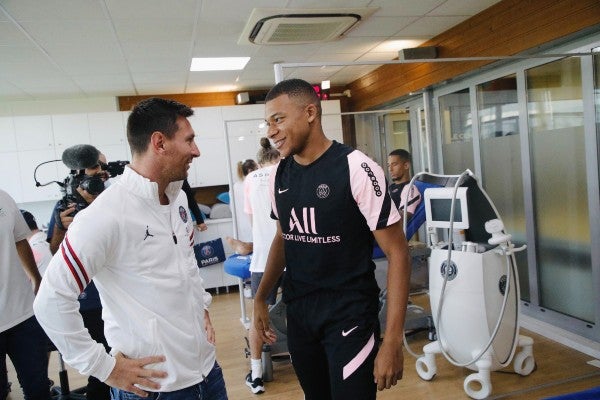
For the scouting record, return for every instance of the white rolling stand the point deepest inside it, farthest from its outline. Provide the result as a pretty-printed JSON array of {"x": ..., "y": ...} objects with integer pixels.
[{"x": 473, "y": 288}]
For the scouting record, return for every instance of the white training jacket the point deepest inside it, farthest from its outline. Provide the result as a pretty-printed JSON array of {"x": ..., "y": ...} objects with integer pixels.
[{"x": 140, "y": 255}]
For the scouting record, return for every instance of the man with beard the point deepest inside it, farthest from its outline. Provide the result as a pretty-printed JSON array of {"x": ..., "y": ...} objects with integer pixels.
[{"x": 136, "y": 241}]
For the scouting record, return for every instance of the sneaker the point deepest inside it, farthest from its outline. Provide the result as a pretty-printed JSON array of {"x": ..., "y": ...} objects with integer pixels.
[{"x": 256, "y": 385}]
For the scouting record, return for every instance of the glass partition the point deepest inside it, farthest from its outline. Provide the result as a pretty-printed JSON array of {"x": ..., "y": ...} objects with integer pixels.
[
  {"x": 398, "y": 124},
  {"x": 500, "y": 152},
  {"x": 423, "y": 140},
  {"x": 597, "y": 91},
  {"x": 366, "y": 128},
  {"x": 457, "y": 136},
  {"x": 555, "y": 119}
]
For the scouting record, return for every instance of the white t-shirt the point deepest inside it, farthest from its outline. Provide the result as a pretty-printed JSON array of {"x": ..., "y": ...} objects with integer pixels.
[
  {"x": 41, "y": 251},
  {"x": 257, "y": 203},
  {"x": 244, "y": 228},
  {"x": 16, "y": 293}
]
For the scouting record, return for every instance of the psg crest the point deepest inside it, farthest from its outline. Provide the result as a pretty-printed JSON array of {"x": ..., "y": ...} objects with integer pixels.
[
  {"x": 183, "y": 214},
  {"x": 207, "y": 250},
  {"x": 210, "y": 252}
]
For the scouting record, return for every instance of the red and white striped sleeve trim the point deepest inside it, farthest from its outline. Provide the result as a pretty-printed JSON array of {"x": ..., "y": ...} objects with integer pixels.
[{"x": 74, "y": 263}]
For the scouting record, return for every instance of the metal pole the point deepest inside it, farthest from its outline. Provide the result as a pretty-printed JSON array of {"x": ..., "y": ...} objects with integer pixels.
[{"x": 278, "y": 72}]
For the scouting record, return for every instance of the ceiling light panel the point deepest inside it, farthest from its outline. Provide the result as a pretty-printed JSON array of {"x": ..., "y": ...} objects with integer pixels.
[{"x": 218, "y": 63}]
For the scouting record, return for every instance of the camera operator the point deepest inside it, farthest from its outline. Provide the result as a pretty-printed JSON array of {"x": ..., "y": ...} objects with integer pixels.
[
  {"x": 64, "y": 211},
  {"x": 90, "y": 307}
]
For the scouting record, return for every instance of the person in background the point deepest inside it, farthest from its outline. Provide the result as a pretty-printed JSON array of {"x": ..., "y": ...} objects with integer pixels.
[
  {"x": 257, "y": 204},
  {"x": 399, "y": 162},
  {"x": 193, "y": 206},
  {"x": 330, "y": 202},
  {"x": 135, "y": 241},
  {"x": 21, "y": 337},
  {"x": 66, "y": 215},
  {"x": 399, "y": 165},
  {"x": 41, "y": 253},
  {"x": 239, "y": 247},
  {"x": 244, "y": 229},
  {"x": 38, "y": 243}
]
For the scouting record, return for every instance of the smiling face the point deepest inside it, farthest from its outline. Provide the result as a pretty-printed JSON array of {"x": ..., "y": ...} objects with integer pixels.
[
  {"x": 289, "y": 121},
  {"x": 98, "y": 169},
  {"x": 180, "y": 150}
]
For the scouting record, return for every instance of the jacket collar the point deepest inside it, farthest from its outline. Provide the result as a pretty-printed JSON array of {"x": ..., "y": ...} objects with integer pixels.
[{"x": 146, "y": 188}]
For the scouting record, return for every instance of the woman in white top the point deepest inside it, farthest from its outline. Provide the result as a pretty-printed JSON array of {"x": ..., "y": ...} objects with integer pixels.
[{"x": 257, "y": 204}]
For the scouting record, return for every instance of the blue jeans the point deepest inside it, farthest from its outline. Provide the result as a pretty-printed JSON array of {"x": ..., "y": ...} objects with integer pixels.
[
  {"x": 26, "y": 345},
  {"x": 211, "y": 388}
]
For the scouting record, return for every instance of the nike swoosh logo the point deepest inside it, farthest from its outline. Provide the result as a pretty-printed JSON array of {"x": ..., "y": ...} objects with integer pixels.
[
  {"x": 282, "y": 190},
  {"x": 346, "y": 333}
]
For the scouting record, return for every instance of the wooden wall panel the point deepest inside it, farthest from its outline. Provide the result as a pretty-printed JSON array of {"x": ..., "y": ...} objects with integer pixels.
[
  {"x": 191, "y": 99},
  {"x": 507, "y": 28},
  {"x": 215, "y": 99}
]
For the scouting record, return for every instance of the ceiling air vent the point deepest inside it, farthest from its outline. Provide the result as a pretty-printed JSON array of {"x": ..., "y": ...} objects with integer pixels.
[
  {"x": 301, "y": 28},
  {"x": 285, "y": 26}
]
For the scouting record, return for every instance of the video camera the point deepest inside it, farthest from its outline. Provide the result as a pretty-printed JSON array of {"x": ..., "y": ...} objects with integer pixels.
[
  {"x": 94, "y": 185},
  {"x": 78, "y": 158},
  {"x": 114, "y": 168}
]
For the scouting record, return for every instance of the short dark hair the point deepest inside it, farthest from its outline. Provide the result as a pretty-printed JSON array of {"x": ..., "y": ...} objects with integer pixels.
[
  {"x": 296, "y": 89},
  {"x": 151, "y": 115},
  {"x": 403, "y": 154},
  {"x": 30, "y": 219}
]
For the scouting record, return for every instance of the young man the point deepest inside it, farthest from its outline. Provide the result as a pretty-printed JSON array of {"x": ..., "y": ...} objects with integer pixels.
[
  {"x": 399, "y": 163},
  {"x": 330, "y": 200},
  {"x": 135, "y": 240},
  {"x": 21, "y": 337}
]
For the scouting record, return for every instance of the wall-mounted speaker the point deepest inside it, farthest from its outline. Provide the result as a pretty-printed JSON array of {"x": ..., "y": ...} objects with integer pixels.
[{"x": 418, "y": 53}]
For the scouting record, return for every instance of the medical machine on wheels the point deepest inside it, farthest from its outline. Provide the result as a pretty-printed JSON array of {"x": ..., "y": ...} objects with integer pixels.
[{"x": 473, "y": 285}]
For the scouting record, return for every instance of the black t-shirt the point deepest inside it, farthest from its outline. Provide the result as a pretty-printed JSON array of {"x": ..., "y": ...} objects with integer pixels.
[{"x": 327, "y": 211}]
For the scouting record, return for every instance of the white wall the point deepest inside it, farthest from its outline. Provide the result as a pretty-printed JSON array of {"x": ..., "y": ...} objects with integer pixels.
[
  {"x": 43, "y": 209},
  {"x": 59, "y": 106}
]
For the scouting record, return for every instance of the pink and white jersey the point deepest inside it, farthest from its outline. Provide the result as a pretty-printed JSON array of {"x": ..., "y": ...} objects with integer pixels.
[
  {"x": 409, "y": 199},
  {"x": 327, "y": 211}
]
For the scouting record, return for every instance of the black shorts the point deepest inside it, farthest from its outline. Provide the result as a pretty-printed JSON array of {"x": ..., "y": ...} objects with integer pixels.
[
  {"x": 256, "y": 277},
  {"x": 333, "y": 338}
]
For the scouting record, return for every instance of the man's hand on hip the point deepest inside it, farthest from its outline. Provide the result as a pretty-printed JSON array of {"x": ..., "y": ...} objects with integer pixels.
[{"x": 131, "y": 371}]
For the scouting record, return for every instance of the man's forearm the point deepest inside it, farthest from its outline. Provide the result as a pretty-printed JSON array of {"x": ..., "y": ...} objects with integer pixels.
[
  {"x": 57, "y": 311},
  {"x": 394, "y": 245},
  {"x": 58, "y": 235},
  {"x": 398, "y": 285},
  {"x": 28, "y": 261}
]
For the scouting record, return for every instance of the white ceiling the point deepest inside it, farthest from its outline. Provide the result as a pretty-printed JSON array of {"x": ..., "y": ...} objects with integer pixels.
[{"x": 81, "y": 48}]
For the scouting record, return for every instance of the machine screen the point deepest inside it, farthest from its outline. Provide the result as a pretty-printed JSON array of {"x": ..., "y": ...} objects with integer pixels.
[
  {"x": 440, "y": 210},
  {"x": 438, "y": 202}
]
